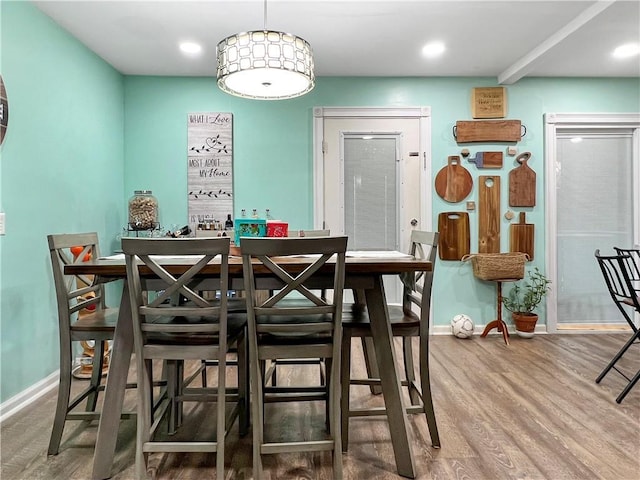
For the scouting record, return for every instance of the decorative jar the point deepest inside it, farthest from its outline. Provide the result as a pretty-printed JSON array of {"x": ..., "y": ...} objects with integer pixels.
[{"x": 143, "y": 210}]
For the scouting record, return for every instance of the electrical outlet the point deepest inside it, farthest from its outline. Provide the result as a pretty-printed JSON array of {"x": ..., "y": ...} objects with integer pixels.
[{"x": 1, "y": 223}]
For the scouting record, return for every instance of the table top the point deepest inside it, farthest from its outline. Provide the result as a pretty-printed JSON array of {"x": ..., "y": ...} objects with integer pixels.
[{"x": 357, "y": 263}]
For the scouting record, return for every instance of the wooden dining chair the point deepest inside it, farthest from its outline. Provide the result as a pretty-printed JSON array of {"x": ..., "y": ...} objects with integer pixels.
[
  {"x": 408, "y": 321},
  {"x": 82, "y": 317},
  {"x": 293, "y": 322},
  {"x": 176, "y": 331},
  {"x": 617, "y": 271}
]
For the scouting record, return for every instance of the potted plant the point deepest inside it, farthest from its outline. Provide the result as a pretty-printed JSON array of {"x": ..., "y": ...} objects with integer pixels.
[{"x": 524, "y": 298}]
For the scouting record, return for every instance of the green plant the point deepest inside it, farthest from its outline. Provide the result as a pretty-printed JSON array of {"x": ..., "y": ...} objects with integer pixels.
[{"x": 525, "y": 297}]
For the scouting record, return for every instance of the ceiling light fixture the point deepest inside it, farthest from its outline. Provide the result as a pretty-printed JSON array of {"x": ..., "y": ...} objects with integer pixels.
[
  {"x": 627, "y": 50},
  {"x": 265, "y": 64},
  {"x": 433, "y": 49},
  {"x": 190, "y": 48}
]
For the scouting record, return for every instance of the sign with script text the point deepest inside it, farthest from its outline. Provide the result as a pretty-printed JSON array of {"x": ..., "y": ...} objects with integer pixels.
[{"x": 210, "y": 167}]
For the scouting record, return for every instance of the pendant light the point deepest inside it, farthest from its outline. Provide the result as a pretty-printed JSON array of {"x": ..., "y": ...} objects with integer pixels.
[{"x": 265, "y": 64}]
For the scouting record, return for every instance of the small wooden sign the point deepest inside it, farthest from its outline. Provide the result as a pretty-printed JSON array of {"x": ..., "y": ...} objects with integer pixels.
[{"x": 489, "y": 102}]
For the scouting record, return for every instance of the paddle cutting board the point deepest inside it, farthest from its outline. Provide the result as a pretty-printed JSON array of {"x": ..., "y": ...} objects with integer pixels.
[
  {"x": 467, "y": 131},
  {"x": 489, "y": 214},
  {"x": 521, "y": 236},
  {"x": 522, "y": 183},
  {"x": 487, "y": 160},
  {"x": 454, "y": 235},
  {"x": 453, "y": 183}
]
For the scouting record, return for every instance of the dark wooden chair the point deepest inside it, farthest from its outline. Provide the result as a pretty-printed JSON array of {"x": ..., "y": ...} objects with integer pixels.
[
  {"x": 192, "y": 329},
  {"x": 294, "y": 322},
  {"x": 82, "y": 317},
  {"x": 408, "y": 321}
]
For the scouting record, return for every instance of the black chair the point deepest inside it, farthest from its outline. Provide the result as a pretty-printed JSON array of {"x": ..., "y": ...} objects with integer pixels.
[
  {"x": 409, "y": 320},
  {"x": 618, "y": 280},
  {"x": 632, "y": 264}
]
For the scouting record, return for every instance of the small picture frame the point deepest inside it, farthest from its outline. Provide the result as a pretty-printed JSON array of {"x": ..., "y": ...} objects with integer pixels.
[{"x": 489, "y": 102}]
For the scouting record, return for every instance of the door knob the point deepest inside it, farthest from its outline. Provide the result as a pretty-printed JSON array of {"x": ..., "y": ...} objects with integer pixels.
[{"x": 414, "y": 222}]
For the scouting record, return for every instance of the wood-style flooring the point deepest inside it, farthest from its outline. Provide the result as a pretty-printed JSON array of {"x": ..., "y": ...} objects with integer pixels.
[{"x": 531, "y": 410}]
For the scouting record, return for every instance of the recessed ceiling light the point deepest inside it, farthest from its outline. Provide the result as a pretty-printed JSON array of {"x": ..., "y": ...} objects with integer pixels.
[
  {"x": 190, "y": 48},
  {"x": 627, "y": 50},
  {"x": 433, "y": 49}
]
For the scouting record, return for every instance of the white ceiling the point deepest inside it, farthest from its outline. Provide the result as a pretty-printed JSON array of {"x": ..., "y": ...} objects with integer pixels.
[{"x": 503, "y": 39}]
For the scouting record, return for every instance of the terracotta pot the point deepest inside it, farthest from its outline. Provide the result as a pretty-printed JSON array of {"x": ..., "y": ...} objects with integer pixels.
[{"x": 525, "y": 323}]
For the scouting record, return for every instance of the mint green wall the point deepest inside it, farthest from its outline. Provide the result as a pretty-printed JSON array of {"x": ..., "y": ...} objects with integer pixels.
[
  {"x": 61, "y": 171},
  {"x": 74, "y": 119},
  {"x": 273, "y": 149}
]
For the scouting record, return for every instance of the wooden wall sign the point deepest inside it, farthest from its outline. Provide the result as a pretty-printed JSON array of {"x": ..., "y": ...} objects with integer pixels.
[
  {"x": 209, "y": 167},
  {"x": 489, "y": 102},
  {"x": 4, "y": 111}
]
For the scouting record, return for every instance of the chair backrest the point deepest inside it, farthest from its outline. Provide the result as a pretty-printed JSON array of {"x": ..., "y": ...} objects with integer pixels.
[
  {"x": 295, "y": 296},
  {"x": 74, "y": 292},
  {"x": 619, "y": 283},
  {"x": 309, "y": 233},
  {"x": 632, "y": 263},
  {"x": 418, "y": 285},
  {"x": 178, "y": 309}
]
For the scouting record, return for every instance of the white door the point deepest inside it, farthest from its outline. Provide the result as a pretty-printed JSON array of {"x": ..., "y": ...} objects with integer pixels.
[
  {"x": 374, "y": 171},
  {"x": 593, "y": 203}
]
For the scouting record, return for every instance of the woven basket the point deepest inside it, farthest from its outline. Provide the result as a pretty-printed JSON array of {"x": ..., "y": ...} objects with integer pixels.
[{"x": 497, "y": 266}]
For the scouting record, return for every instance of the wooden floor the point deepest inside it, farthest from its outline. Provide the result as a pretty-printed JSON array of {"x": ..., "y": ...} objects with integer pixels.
[{"x": 528, "y": 411}]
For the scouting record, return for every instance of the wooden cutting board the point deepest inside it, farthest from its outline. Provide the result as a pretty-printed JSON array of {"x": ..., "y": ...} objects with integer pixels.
[
  {"x": 453, "y": 183},
  {"x": 467, "y": 131},
  {"x": 454, "y": 235},
  {"x": 489, "y": 214},
  {"x": 487, "y": 160},
  {"x": 522, "y": 183},
  {"x": 521, "y": 236}
]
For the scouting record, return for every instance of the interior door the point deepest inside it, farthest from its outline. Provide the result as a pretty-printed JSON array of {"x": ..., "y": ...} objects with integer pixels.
[
  {"x": 372, "y": 183},
  {"x": 592, "y": 202}
]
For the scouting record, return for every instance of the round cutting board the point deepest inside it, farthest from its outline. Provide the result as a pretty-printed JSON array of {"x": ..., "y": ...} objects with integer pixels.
[{"x": 453, "y": 183}]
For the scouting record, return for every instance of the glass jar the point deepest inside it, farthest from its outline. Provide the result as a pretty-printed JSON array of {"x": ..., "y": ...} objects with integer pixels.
[{"x": 143, "y": 210}]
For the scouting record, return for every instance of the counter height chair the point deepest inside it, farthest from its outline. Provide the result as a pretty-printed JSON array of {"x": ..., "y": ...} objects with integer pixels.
[
  {"x": 192, "y": 329},
  {"x": 409, "y": 320},
  {"x": 617, "y": 277},
  {"x": 293, "y": 322},
  {"x": 82, "y": 317}
]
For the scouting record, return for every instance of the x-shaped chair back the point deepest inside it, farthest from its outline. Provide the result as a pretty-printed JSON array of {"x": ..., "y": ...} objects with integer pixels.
[{"x": 177, "y": 295}]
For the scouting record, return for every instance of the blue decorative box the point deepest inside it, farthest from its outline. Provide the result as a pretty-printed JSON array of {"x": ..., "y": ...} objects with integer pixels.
[{"x": 249, "y": 227}]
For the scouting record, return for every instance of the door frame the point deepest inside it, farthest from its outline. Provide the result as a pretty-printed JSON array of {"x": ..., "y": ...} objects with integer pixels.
[
  {"x": 423, "y": 114},
  {"x": 553, "y": 122}
]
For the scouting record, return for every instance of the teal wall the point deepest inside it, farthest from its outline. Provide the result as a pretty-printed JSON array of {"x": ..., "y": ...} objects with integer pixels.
[
  {"x": 61, "y": 171},
  {"x": 82, "y": 138},
  {"x": 273, "y": 155}
]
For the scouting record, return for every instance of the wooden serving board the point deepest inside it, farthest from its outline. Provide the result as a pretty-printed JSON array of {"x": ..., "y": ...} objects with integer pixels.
[
  {"x": 453, "y": 183},
  {"x": 522, "y": 183},
  {"x": 468, "y": 131},
  {"x": 521, "y": 236},
  {"x": 489, "y": 214},
  {"x": 454, "y": 235},
  {"x": 487, "y": 160}
]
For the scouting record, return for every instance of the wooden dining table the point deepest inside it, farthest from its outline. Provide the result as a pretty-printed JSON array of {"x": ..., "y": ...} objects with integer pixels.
[{"x": 364, "y": 273}]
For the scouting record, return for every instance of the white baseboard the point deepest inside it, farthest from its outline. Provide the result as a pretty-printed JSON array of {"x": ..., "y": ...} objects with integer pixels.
[
  {"x": 477, "y": 331},
  {"x": 28, "y": 396}
]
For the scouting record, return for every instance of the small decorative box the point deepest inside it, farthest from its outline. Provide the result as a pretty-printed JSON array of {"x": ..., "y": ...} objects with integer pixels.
[
  {"x": 276, "y": 228},
  {"x": 249, "y": 227}
]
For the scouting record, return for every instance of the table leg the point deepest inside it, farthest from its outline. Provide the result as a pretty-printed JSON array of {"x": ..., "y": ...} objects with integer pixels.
[
  {"x": 385, "y": 354},
  {"x": 114, "y": 391}
]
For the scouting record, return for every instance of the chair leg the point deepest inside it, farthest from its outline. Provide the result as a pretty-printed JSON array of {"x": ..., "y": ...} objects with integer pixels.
[
  {"x": 62, "y": 406},
  {"x": 409, "y": 370},
  {"x": 427, "y": 399},
  {"x": 629, "y": 386},
  {"x": 257, "y": 412},
  {"x": 96, "y": 376},
  {"x": 172, "y": 392},
  {"x": 327, "y": 389},
  {"x": 618, "y": 356},
  {"x": 204, "y": 373},
  {"x": 334, "y": 399},
  {"x": 371, "y": 363},
  {"x": 144, "y": 416},
  {"x": 243, "y": 386},
  {"x": 221, "y": 423},
  {"x": 345, "y": 378}
]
